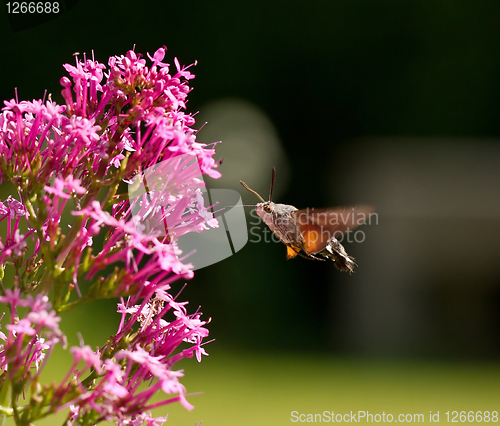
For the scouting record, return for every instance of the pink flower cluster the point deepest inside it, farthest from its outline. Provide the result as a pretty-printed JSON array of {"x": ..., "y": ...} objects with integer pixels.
[
  {"x": 117, "y": 373},
  {"x": 73, "y": 222},
  {"x": 24, "y": 347},
  {"x": 15, "y": 243}
]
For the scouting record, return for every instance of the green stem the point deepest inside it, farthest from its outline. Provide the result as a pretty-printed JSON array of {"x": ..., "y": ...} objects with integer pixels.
[
  {"x": 71, "y": 305},
  {"x": 14, "y": 408},
  {"x": 89, "y": 197},
  {"x": 5, "y": 390}
]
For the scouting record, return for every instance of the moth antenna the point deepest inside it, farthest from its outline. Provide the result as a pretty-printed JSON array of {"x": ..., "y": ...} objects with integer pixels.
[
  {"x": 251, "y": 190},
  {"x": 273, "y": 176}
]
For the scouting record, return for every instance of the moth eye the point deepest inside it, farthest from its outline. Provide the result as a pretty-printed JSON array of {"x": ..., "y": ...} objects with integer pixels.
[{"x": 267, "y": 208}]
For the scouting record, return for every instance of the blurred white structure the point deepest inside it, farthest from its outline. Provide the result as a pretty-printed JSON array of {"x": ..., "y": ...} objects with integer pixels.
[
  {"x": 250, "y": 146},
  {"x": 428, "y": 278}
]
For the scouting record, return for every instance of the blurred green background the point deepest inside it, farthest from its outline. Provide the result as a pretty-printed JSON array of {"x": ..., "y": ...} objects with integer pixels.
[{"x": 390, "y": 103}]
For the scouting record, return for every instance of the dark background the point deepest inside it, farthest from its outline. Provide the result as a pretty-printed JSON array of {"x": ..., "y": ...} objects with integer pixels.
[{"x": 325, "y": 73}]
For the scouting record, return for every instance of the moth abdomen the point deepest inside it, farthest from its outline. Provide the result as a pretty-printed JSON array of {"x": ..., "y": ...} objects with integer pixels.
[{"x": 336, "y": 252}]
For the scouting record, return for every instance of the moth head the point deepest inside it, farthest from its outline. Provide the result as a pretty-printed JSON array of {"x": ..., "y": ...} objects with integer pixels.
[
  {"x": 267, "y": 207},
  {"x": 267, "y": 212}
]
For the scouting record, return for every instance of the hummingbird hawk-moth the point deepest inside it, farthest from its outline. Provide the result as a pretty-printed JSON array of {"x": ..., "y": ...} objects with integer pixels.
[{"x": 311, "y": 233}]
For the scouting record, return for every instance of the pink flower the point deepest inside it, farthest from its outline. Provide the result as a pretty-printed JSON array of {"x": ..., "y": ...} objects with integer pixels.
[
  {"x": 88, "y": 356},
  {"x": 119, "y": 121},
  {"x": 23, "y": 327},
  {"x": 45, "y": 319},
  {"x": 13, "y": 297},
  {"x": 61, "y": 184},
  {"x": 15, "y": 208},
  {"x": 38, "y": 304}
]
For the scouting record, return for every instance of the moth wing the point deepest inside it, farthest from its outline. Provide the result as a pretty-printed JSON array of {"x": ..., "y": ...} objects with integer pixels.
[
  {"x": 291, "y": 252},
  {"x": 318, "y": 226},
  {"x": 314, "y": 238}
]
